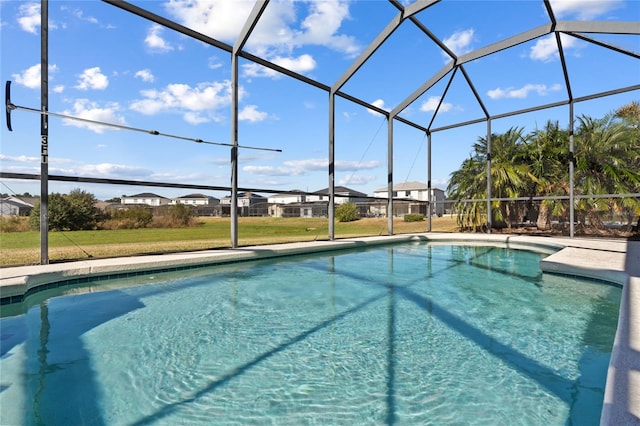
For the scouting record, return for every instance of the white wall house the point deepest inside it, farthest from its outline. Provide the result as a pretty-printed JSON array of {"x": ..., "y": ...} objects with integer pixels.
[
  {"x": 415, "y": 191},
  {"x": 287, "y": 198},
  {"x": 343, "y": 195},
  {"x": 13, "y": 206},
  {"x": 195, "y": 200},
  {"x": 245, "y": 199},
  {"x": 145, "y": 198}
]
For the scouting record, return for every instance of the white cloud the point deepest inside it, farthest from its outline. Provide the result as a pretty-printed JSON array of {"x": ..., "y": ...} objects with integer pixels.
[
  {"x": 29, "y": 17},
  {"x": 356, "y": 180},
  {"x": 584, "y": 9},
  {"x": 322, "y": 24},
  {"x": 145, "y": 75},
  {"x": 180, "y": 98},
  {"x": 31, "y": 76},
  {"x": 19, "y": 159},
  {"x": 83, "y": 108},
  {"x": 80, "y": 15},
  {"x": 92, "y": 78},
  {"x": 546, "y": 48},
  {"x": 154, "y": 41},
  {"x": 302, "y": 64},
  {"x": 459, "y": 42},
  {"x": 432, "y": 103},
  {"x": 272, "y": 171},
  {"x": 277, "y": 31},
  {"x": 219, "y": 19},
  {"x": 523, "y": 92},
  {"x": 377, "y": 103},
  {"x": 343, "y": 165},
  {"x": 111, "y": 170},
  {"x": 250, "y": 113},
  {"x": 214, "y": 63},
  {"x": 302, "y": 167},
  {"x": 195, "y": 118},
  {"x": 58, "y": 89}
]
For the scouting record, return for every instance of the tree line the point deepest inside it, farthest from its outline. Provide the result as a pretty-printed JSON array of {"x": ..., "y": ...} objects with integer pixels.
[
  {"x": 606, "y": 161},
  {"x": 77, "y": 211}
]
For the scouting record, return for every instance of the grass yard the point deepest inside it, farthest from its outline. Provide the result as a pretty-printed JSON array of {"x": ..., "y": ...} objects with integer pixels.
[{"x": 23, "y": 248}]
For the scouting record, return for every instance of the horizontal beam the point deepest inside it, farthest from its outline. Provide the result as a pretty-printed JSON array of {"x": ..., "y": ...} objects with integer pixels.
[{"x": 601, "y": 27}]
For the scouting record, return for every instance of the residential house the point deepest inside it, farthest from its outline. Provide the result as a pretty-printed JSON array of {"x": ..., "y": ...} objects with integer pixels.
[
  {"x": 418, "y": 191},
  {"x": 147, "y": 198},
  {"x": 249, "y": 204},
  {"x": 202, "y": 205},
  {"x": 195, "y": 200},
  {"x": 294, "y": 196},
  {"x": 14, "y": 206},
  {"x": 343, "y": 195}
]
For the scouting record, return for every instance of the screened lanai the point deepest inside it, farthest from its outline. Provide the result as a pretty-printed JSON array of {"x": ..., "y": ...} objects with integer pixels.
[{"x": 427, "y": 80}]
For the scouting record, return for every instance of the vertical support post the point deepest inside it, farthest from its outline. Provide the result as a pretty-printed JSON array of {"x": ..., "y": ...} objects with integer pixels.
[
  {"x": 332, "y": 133},
  {"x": 571, "y": 172},
  {"x": 390, "y": 174},
  {"x": 44, "y": 132},
  {"x": 233, "y": 208},
  {"x": 489, "y": 219},
  {"x": 429, "y": 189}
]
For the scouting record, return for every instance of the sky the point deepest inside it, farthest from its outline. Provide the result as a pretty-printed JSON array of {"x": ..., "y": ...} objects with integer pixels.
[{"x": 108, "y": 65}]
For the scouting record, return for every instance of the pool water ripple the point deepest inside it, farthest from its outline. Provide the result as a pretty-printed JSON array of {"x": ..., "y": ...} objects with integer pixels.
[{"x": 411, "y": 334}]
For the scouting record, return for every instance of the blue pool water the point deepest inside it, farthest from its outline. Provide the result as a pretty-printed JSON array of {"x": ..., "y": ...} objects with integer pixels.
[{"x": 404, "y": 334}]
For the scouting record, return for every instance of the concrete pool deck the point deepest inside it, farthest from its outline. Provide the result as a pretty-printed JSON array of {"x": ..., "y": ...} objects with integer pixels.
[{"x": 615, "y": 261}]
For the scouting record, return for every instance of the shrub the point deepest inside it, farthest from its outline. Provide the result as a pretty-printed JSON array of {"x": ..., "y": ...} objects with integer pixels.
[
  {"x": 131, "y": 218},
  {"x": 174, "y": 216},
  {"x": 68, "y": 212},
  {"x": 347, "y": 212},
  {"x": 14, "y": 223},
  {"x": 413, "y": 217}
]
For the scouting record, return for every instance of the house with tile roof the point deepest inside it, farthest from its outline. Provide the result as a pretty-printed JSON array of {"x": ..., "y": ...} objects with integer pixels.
[
  {"x": 417, "y": 191},
  {"x": 195, "y": 200},
  {"x": 147, "y": 198}
]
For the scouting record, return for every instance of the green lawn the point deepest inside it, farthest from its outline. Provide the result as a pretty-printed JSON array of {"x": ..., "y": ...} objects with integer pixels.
[{"x": 20, "y": 248}]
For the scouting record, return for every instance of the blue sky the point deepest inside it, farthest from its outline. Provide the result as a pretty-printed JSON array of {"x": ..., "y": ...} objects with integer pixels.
[{"x": 108, "y": 65}]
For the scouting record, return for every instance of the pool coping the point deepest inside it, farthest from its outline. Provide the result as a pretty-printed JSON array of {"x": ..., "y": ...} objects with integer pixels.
[{"x": 614, "y": 261}]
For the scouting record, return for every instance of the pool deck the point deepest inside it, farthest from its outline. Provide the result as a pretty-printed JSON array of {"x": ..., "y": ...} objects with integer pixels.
[{"x": 616, "y": 261}]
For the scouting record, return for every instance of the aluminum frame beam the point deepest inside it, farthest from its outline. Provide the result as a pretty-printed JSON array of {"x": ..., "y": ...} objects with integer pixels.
[
  {"x": 248, "y": 27},
  {"x": 393, "y": 25}
]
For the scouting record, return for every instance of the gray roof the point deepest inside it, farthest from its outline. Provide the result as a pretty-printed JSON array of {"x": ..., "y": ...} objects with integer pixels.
[
  {"x": 342, "y": 190},
  {"x": 200, "y": 196},
  {"x": 145, "y": 195},
  {"x": 408, "y": 186}
]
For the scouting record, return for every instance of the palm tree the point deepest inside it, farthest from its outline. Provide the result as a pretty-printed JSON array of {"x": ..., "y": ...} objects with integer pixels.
[
  {"x": 509, "y": 177},
  {"x": 547, "y": 156},
  {"x": 607, "y": 160},
  {"x": 469, "y": 182}
]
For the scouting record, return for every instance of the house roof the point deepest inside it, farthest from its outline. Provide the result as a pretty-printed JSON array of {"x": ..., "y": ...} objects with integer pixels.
[
  {"x": 23, "y": 201},
  {"x": 145, "y": 195},
  {"x": 247, "y": 195},
  {"x": 15, "y": 203},
  {"x": 408, "y": 186},
  {"x": 196, "y": 196},
  {"x": 292, "y": 193},
  {"x": 342, "y": 190}
]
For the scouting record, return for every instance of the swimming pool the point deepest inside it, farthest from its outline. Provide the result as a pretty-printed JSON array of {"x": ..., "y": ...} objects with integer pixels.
[{"x": 404, "y": 334}]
